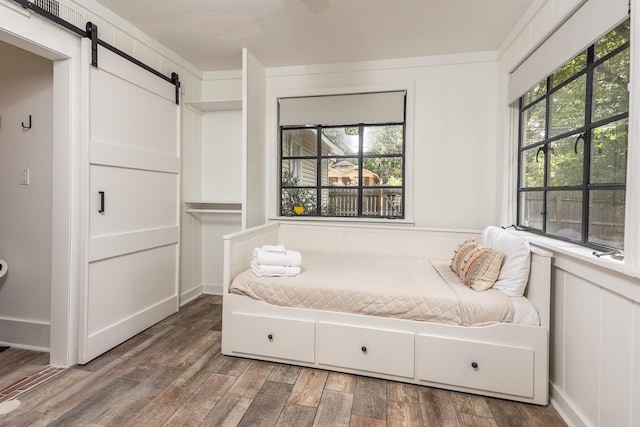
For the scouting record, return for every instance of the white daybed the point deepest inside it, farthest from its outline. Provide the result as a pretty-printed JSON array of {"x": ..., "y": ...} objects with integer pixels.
[{"x": 504, "y": 360}]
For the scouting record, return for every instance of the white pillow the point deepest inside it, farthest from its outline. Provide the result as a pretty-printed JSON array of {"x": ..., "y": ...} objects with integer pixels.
[{"x": 515, "y": 270}]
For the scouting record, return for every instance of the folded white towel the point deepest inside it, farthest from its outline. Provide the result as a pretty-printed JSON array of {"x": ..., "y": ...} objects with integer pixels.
[
  {"x": 274, "y": 248},
  {"x": 274, "y": 270},
  {"x": 285, "y": 259}
]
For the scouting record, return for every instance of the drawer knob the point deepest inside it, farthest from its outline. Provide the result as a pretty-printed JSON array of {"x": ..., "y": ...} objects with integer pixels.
[
  {"x": 270, "y": 337},
  {"x": 364, "y": 349},
  {"x": 474, "y": 365}
]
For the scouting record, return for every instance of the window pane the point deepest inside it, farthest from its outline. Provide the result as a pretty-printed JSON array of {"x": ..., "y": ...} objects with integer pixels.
[
  {"x": 609, "y": 153},
  {"x": 340, "y": 202},
  {"x": 606, "y": 217},
  {"x": 340, "y": 141},
  {"x": 383, "y": 202},
  {"x": 567, "y": 107},
  {"x": 566, "y": 167},
  {"x": 531, "y": 207},
  {"x": 340, "y": 172},
  {"x": 299, "y": 142},
  {"x": 382, "y": 171},
  {"x": 564, "y": 214},
  {"x": 569, "y": 69},
  {"x": 383, "y": 140},
  {"x": 299, "y": 172},
  {"x": 610, "y": 95},
  {"x": 298, "y": 201},
  {"x": 534, "y": 119},
  {"x": 614, "y": 39},
  {"x": 532, "y": 171},
  {"x": 535, "y": 92}
]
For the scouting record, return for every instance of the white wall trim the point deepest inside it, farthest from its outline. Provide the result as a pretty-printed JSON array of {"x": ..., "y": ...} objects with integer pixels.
[
  {"x": 209, "y": 289},
  {"x": 27, "y": 334},
  {"x": 384, "y": 64},
  {"x": 188, "y": 296},
  {"x": 565, "y": 409}
]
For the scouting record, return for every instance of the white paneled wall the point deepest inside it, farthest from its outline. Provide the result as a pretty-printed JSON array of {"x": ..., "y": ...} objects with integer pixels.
[
  {"x": 594, "y": 340},
  {"x": 451, "y": 131}
]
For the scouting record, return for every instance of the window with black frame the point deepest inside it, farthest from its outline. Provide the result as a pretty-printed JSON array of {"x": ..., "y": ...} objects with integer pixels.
[
  {"x": 573, "y": 147},
  {"x": 344, "y": 170}
]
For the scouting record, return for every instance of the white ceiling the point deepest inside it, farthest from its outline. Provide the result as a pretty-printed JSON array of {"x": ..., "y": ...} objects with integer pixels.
[{"x": 211, "y": 33}]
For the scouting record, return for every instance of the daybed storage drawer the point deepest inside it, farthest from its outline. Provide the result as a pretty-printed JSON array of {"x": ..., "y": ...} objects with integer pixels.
[
  {"x": 366, "y": 349},
  {"x": 273, "y": 337},
  {"x": 477, "y": 365}
]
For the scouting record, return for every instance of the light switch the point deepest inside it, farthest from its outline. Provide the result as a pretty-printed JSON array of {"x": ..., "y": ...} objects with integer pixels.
[{"x": 24, "y": 176}]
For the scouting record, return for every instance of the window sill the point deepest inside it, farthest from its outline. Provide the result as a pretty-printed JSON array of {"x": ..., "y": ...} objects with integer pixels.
[
  {"x": 344, "y": 220},
  {"x": 580, "y": 253}
]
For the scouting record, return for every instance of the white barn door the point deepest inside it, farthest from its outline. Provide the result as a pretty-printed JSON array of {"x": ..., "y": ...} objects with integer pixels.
[{"x": 130, "y": 274}]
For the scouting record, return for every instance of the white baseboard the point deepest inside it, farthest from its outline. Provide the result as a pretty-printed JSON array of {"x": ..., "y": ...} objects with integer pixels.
[
  {"x": 211, "y": 289},
  {"x": 25, "y": 334},
  {"x": 565, "y": 409},
  {"x": 189, "y": 296}
]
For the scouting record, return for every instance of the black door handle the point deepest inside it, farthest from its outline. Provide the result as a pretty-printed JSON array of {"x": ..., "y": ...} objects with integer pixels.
[{"x": 101, "y": 210}]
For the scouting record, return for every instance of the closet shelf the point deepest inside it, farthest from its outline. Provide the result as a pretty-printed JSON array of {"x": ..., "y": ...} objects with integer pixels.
[
  {"x": 214, "y": 207},
  {"x": 216, "y": 105}
]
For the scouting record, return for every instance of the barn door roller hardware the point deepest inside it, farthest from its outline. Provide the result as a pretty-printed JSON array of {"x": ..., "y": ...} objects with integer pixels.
[{"x": 91, "y": 32}]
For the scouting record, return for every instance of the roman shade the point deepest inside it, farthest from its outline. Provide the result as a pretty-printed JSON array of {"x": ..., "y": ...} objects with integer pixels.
[
  {"x": 349, "y": 109},
  {"x": 582, "y": 29}
]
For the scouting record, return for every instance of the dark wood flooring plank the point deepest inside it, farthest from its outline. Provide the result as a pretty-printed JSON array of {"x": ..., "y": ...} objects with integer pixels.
[
  {"x": 228, "y": 412},
  {"x": 296, "y": 415},
  {"x": 438, "y": 408},
  {"x": 192, "y": 353},
  {"x": 227, "y": 365},
  {"x": 202, "y": 369},
  {"x": 252, "y": 379},
  {"x": 543, "y": 415},
  {"x": 161, "y": 408},
  {"x": 195, "y": 409},
  {"x": 267, "y": 405},
  {"x": 510, "y": 414},
  {"x": 334, "y": 409},
  {"x": 469, "y": 420},
  {"x": 307, "y": 390},
  {"x": 95, "y": 404},
  {"x": 405, "y": 414},
  {"x": 370, "y": 398},
  {"x": 471, "y": 404},
  {"x": 360, "y": 421},
  {"x": 287, "y": 374},
  {"x": 338, "y": 381},
  {"x": 401, "y": 392},
  {"x": 128, "y": 407}
]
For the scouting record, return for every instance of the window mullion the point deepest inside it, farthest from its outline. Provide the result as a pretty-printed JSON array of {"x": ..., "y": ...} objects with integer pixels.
[
  {"x": 587, "y": 144},
  {"x": 547, "y": 156},
  {"x": 319, "y": 170},
  {"x": 360, "y": 166}
]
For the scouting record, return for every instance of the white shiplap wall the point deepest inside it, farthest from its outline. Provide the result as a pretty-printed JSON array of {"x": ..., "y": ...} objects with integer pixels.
[{"x": 451, "y": 129}]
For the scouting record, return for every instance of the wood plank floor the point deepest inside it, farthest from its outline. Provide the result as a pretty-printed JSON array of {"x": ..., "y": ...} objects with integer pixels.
[{"x": 173, "y": 374}]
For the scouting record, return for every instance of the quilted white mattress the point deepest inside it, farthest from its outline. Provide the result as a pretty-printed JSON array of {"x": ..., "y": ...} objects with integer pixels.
[{"x": 406, "y": 288}]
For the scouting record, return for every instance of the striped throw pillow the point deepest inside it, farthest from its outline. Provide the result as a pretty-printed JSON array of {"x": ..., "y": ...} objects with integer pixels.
[{"x": 477, "y": 266}]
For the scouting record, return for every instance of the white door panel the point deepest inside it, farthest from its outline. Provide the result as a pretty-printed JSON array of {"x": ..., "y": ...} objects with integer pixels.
[
  {"x": 130, "y": 269},
  {"x": 126, "y": 112},
  {"x": 119, "y": 287},
  {"x": 134, "y": 200}
]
